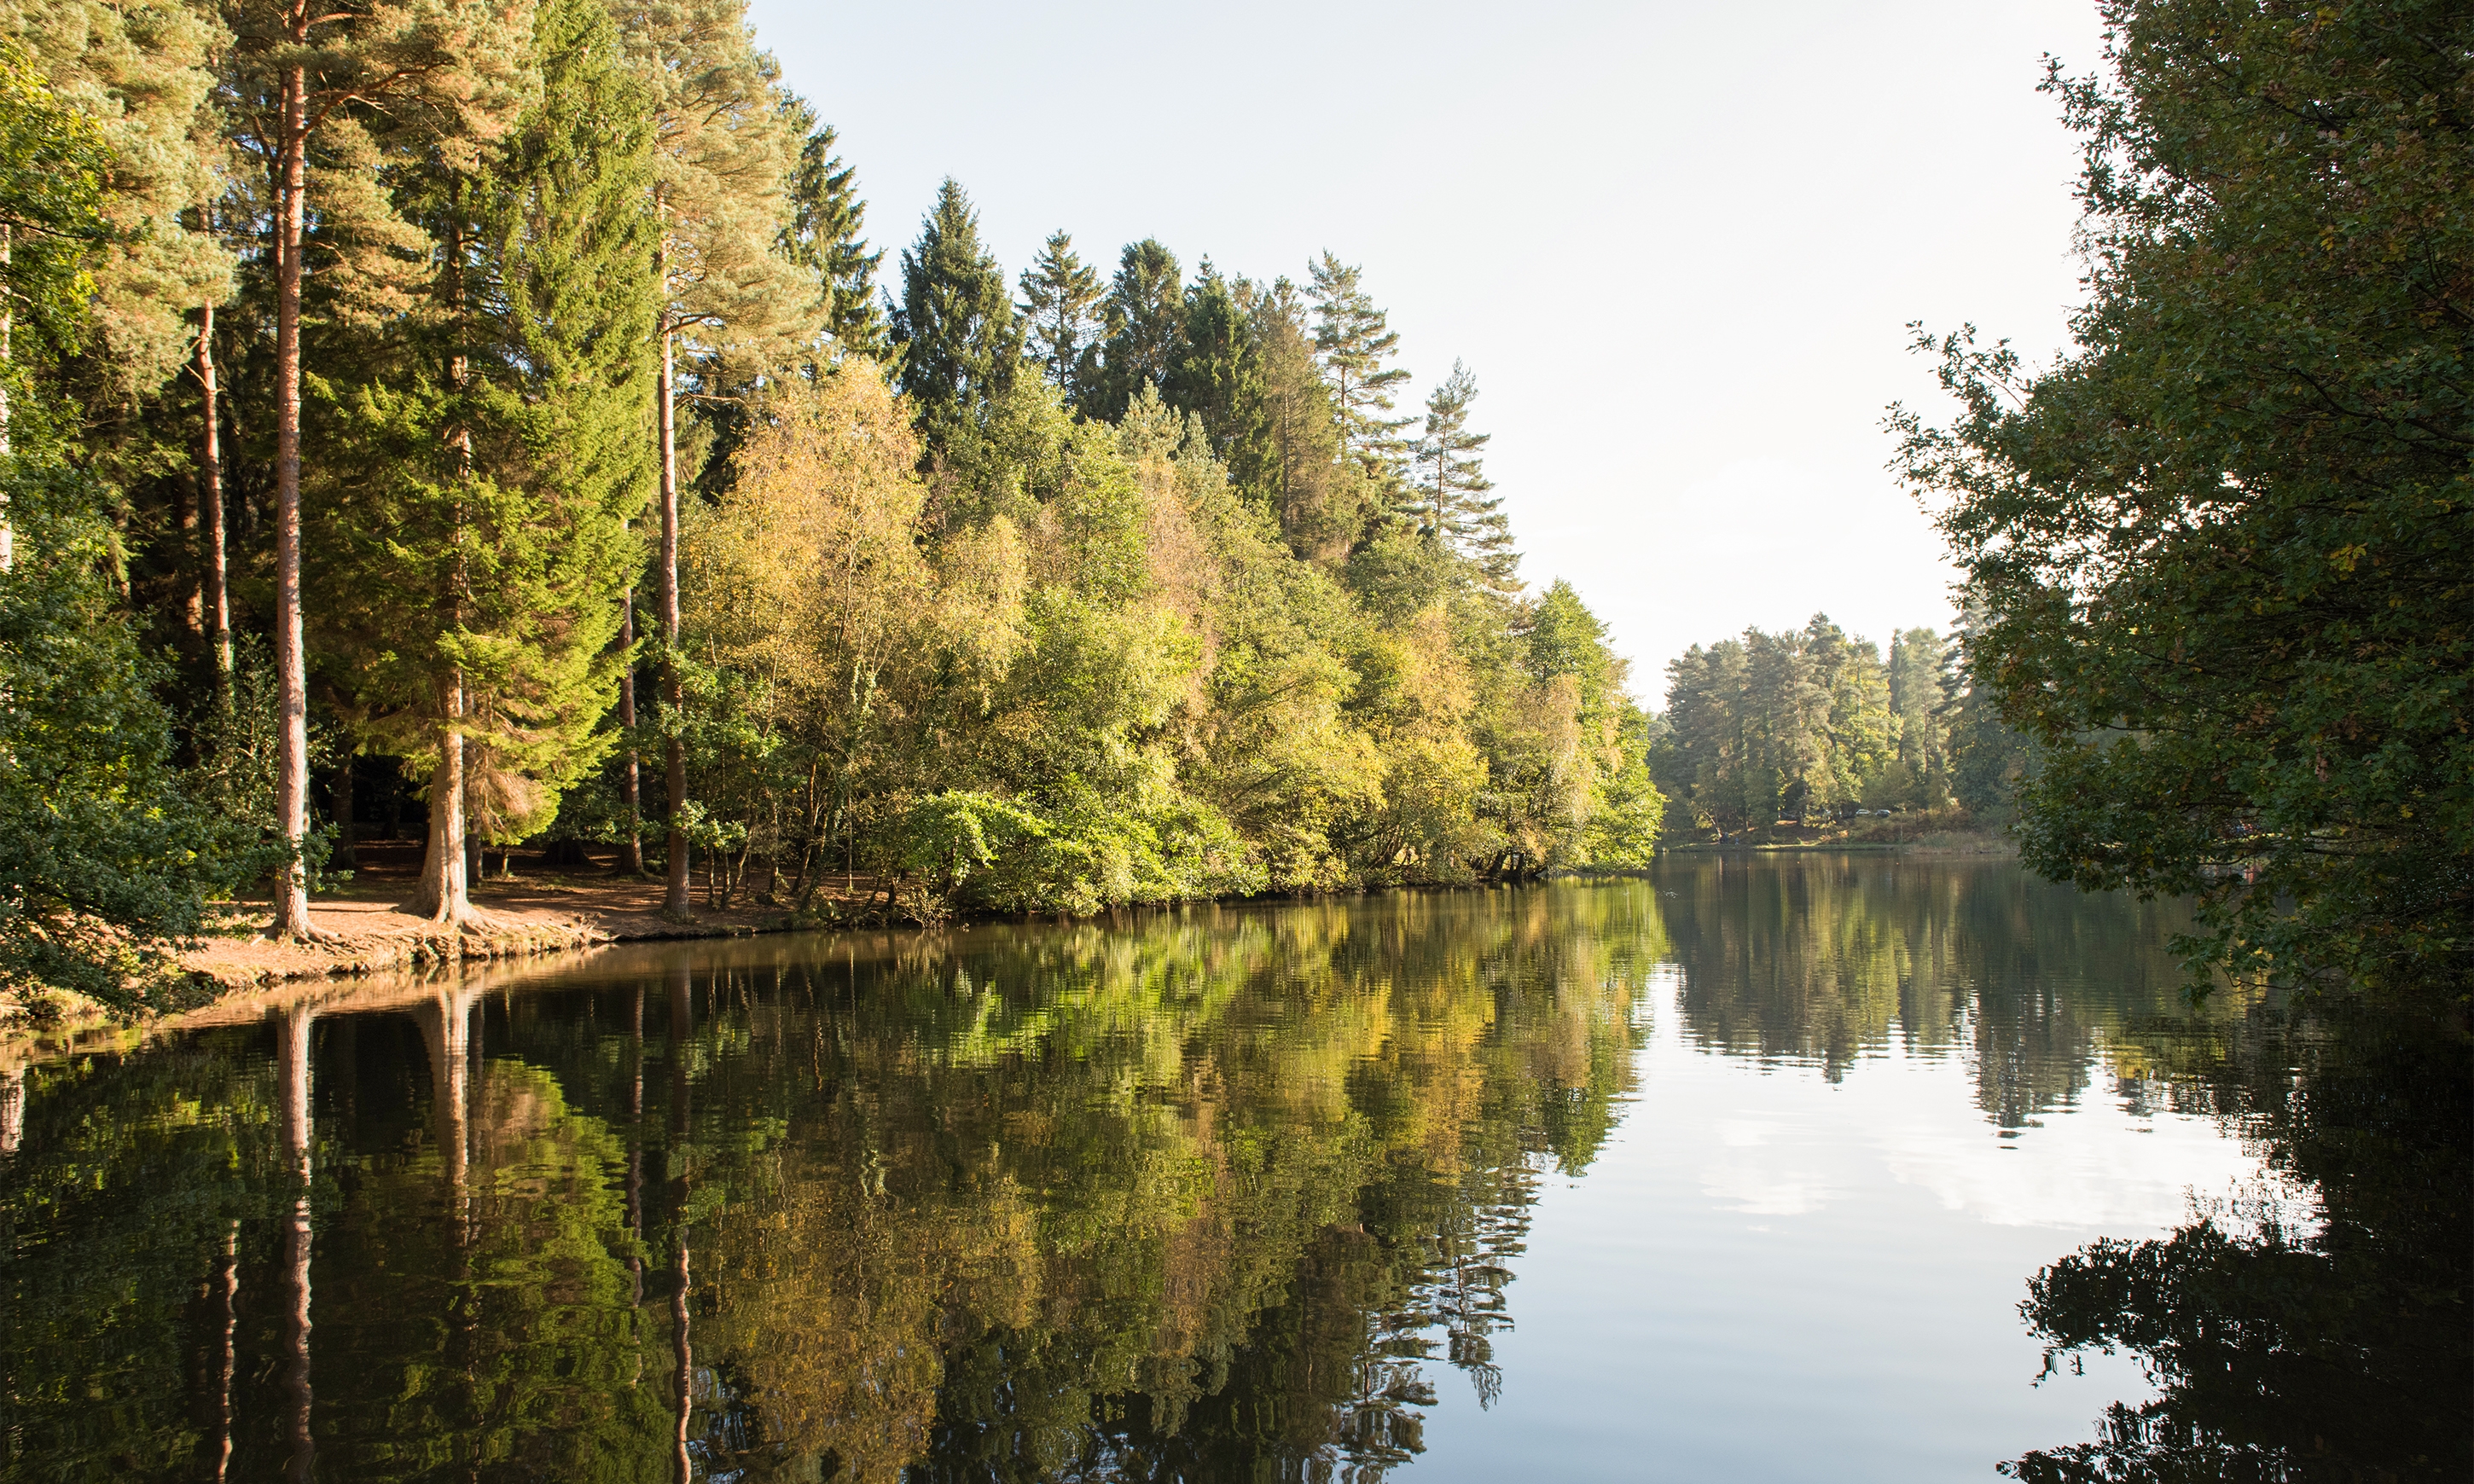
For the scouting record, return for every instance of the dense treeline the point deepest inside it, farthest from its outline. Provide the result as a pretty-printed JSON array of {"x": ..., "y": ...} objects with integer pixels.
[
  {"x": 504, "y": 390},
  {"x": 1812, "y": 727}
]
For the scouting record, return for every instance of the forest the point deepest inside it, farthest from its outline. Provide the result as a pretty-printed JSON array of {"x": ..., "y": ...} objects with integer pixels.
[
  {"x": 496, "y": 405},
  {"x": 503, "y": 407}
]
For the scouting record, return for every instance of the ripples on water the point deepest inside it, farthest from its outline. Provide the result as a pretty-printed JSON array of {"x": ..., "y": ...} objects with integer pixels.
[{"x": 1738, "y": 1171}]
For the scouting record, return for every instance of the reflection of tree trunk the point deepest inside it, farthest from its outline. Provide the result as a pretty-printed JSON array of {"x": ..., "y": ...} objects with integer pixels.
[
  {"x": 447, "y": 1035},
  {"x": 682, "y": 1033},
  {"x": 292, "y": 1044},
  {"x": 685, "y": 1357},
  {"x": 13, "y": 1109},
  {"x": 229, "y": 1281},
  {"x": 636, "y": 1142}
]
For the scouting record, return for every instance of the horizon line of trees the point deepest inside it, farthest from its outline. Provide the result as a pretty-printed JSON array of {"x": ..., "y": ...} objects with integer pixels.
[
  {"x": 504, "y": 390},
  {"x": 1812, "y": 727}
]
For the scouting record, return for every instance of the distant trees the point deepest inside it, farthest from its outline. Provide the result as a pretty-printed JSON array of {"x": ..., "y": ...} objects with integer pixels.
[{"x": 1810, "y": 725}]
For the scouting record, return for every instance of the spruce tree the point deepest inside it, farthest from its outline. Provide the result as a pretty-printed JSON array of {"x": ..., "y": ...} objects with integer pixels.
[
  {"x": 825, "y": 237},
  {"x": 1146, "y": 321},
  {"x": 451, "y": 68},
  {"x": 1060, "y": 295},
  {"x": 1453, "y": 506},
  {"x": 1217, "y": 375},
  {"x": 956, "y": 325},
  {"x": 488, "y": 535},
  {"x": 1355, "y": 342}
]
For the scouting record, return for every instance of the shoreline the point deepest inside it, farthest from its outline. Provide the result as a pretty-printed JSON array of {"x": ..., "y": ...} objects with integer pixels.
[{"x": 543, "y": 914}]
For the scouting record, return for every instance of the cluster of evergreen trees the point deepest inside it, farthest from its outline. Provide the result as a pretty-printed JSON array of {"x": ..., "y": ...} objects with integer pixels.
[
  {"x": 1811, "y": 726},
  {"x": 504, "y": 390}
]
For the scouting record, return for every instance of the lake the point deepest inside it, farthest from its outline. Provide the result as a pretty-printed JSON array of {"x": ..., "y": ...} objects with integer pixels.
[{"x": 1743, "y": 1169}]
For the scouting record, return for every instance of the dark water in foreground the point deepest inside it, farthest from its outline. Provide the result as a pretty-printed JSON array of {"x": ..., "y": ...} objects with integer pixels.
[{"x": 1738, "y": 1172}]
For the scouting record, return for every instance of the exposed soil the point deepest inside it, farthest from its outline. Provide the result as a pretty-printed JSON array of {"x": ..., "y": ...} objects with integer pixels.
[{"x": 536, "y": 909}]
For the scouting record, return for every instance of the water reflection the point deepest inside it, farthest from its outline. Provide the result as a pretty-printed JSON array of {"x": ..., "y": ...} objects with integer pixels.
[{"x": 1220, "y": 1193}]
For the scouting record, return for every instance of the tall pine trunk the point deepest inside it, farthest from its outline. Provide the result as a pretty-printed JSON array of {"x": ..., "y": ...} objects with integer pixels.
[
  {"x": 675, "y": 901},
  {"x": 631, "y": 851},
  {"x": 291, "y": 665},
  {"x": 215, "y": 595}
]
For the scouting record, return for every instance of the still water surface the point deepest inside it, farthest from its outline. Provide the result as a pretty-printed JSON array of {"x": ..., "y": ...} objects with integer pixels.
[{"x": 1738, "y": 1171}]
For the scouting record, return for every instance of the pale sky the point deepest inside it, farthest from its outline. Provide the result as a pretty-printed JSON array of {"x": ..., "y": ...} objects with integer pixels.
[{"x": 1677, "y": 244}]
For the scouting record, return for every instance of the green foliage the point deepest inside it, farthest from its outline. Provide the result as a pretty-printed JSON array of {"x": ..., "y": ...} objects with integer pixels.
[
  {"x": 955, "y": 325},
  {"x": 53, "y": 165},
  {"x": 824, "y": 236},
  {"x": 1060, "y": 299},
  {"x": 106, "y": 859},
  {"x": 2222, "y": 545},
  {"x": 1144, "y": 316},
  {"x": 1795, "y": 727}
]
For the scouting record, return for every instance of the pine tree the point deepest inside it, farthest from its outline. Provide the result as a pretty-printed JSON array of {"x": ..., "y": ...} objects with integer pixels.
[
  {"x": 142, "y": 75},
  {"x": 730, "y": 302},
  {"x": 1453, "y": 504},
  {"x": 1145, "y": 319},
  {"x": 1299, "y": 478},
  {"x": 1355, "y": 341},
  {"x": 1059, "y": 297},
  {"x": 1218, "y": 376},
  {"x": 451, "y": 68},
  {"x": 482, "y": 549},
  {"x": 825, "y": 237},
  {"x": 956, "y": 325}
]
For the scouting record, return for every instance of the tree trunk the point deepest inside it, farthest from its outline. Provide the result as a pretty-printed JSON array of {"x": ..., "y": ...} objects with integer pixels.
[
  {"x": 8, "y": 327},
  {"x": 291, "y": 665},
  {"x": 345, "y": 831},
  {"x": 216, "y": 596},
  {"x": 442, "y": 895},
  {"x": 675, "y": 902},
  {"x": 631, "y": 851}
]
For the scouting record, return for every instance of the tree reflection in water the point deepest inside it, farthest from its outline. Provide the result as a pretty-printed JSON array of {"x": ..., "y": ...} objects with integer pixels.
[
  {"x": 2338, "y": 1347},
  {"x": 1206, "y": 1194},
  {"x": 1229, "y": 1184}
]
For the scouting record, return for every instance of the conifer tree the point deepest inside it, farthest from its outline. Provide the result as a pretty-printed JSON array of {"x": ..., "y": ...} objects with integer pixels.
[
  {"x": 141, "y": 75},
  {"x": 1060, "y": 295},
  {"x": 53, "y": 165},
  {"x": 476, "y": 553},
  {"x": 1453, "y": 506},
  {"x": 1299, "y": 478},
  {"x": 1145, "y": 319},
  {"x": 1355, "y": 342},
  {"x": 956, "y": 325},
  {"x": 1217, "y": 375},
  {"x": 451, "y": 68},
  {"x": 825, "y": 236},
  {"x": 729, "y": 300}
]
